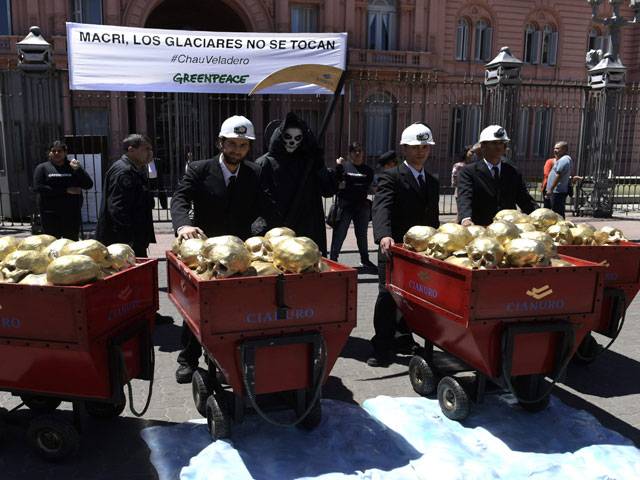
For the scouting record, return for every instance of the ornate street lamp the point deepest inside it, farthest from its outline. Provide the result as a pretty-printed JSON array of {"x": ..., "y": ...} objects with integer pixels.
[{"x": 600, "y": 122}]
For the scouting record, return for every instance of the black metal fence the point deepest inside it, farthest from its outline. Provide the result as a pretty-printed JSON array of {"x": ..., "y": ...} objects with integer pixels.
[{"x": 374, "y": 111}]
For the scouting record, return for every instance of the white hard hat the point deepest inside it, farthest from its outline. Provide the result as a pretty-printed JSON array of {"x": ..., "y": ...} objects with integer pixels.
[
  {"x": 494, "y": 133},
  {"x": 417, "y": 134},
  {"x": 237, "y": 127}
]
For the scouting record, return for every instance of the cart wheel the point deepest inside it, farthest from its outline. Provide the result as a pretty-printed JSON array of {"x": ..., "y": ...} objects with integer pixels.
[
  {"x": 454, "y": 401},
  {"x": 588, "y": 350},
  {"x": 218, "y": 420},
  {"x": 201, "y": 389},
  {"x": 40, "y": 404},
  {"x": 53, "y": 438},
  {"x": 421, "y": 376},
  {"x": 313, "y": 418},
  {"x": 531, "y": 387},
  {"x": 103, "y": 409}
]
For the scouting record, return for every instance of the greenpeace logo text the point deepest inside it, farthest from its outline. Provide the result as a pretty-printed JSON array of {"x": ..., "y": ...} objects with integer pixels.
[{"x": 183, "y": 78}]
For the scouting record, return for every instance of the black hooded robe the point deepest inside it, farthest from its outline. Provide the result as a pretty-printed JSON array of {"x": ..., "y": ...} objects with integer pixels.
[{"x": 283, "y": 176}]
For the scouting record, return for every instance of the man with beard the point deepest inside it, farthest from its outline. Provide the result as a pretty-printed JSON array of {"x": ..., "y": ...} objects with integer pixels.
[
  {"x": 226, "y": 195},
  {"x": 297, "y": 179}
]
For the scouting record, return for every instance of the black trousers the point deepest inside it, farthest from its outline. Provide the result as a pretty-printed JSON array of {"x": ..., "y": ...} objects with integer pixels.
[
  {"x": 388, "y": 323},
  {"x": 61, "y": 226},
  {"x": 191, "y": 348}
]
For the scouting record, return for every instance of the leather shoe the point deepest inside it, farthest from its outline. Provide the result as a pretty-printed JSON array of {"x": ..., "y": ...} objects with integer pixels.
[
  {"x": 368, "y": 264},
  {"x": 184, "y": 373},
  {"x": 380, "y": 360},
  {"x": 406, "y": 348}
]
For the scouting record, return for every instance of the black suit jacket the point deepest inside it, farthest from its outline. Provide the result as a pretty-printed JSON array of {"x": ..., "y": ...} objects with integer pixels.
[
  {"x": 399, "y": 203},
  {"x": 480, "y": 197},
  {"x": 215, "y": 210}
]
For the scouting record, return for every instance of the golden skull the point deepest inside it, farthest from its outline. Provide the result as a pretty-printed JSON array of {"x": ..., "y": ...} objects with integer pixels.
[
  {"x": 209, "y": 243},
  {"x": 442, "y": 245},
  {"x": 190, "y": 249},
  {"x": 513, "y": 216},
  {"x": 228, "y": 259},
  {"x": 35, "y": 242},
  {"x": 485, "y": 252},
  {"x": 457, "y": 231},
  {"x": 566, "y": 223},
  {"x": 476, "y": 231},
  {"x": 464, "y": 262},
  {"x": 582, "y": 234},
  {"x": 33, "y": 279},
  {"x": 296, "y": 255},
  {"x": 271, "y": 243},
  {"x": 175, "y": 246},
  {"x": 417, "y": 237},
  {"x": 33, "y": 261},
  {"x": 91, "y": 248},
  {"x": 256, "y": 246},
  {"x": 526, "y": 252},
  {"x": 543, "y": 218},
  {"x": 561, "y": 234},
  {"x": 122, "y": 256},
  {"x": 7, "y": 245},
  {"x": 526, "y": 227},
  {"x": 72, "y": 270},
  {"x": 54, "y": 249},
  {"x": 279, "y": 232},
  {"x": 614, "y": 235},
  {"x": 264, "y": 268},
  {"x": 503, "y": 231},
  {"x": 550, "y": 246}
]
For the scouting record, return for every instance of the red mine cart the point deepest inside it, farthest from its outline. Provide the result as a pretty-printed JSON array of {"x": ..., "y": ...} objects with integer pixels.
[
  {"x": 621, "y": 284},
  {"x": 513, "y": 326},
  {"x": 79, "y": 344},
  {"x": 271, "y": 337}
]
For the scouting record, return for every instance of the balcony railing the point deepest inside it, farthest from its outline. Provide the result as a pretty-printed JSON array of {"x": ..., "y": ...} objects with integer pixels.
[{"x": 392, "y": 58}]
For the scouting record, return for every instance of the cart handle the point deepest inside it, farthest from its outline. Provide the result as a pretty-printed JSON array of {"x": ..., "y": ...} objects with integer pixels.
[
  {"x": 248, "y": 373},
  {"x": 565, "y": 350}
]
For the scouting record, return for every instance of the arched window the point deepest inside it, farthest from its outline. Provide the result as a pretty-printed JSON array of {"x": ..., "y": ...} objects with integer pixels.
[
  {"x": 531, "y": 42},
  {"x": 381, "y": 25},
  {"x": 462, "y": 40},
  {"x": 549, "y": 51},
  {"x": 379, "y": 115},
  {"x": 483, "y": 40}
]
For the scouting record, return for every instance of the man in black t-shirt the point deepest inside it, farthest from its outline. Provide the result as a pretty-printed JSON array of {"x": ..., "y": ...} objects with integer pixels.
[
  {"x": 59, "y": 183},
  {"x": 353, "y": 205}
]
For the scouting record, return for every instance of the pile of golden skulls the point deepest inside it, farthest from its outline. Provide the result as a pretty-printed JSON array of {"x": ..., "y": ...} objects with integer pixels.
[
  {"x": 43, "y": 260},
  {"x": 514, "y": 239},
  {"x": 279, "y": 251}
]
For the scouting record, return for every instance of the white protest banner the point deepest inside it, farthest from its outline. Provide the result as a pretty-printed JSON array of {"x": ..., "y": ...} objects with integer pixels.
[{"x": 114, "y": 58}]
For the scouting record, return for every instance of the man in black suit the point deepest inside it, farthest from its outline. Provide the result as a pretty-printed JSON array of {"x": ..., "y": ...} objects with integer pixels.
[
  {"x": 406, "y": 196},
  {"x": 226, "y": 194},
  {"x": 489, "y": 185}
]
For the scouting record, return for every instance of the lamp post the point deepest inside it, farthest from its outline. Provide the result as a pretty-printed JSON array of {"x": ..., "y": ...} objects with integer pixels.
[
  {"x": 34, "y": 52},
  {"x": 600, "y": 122}
]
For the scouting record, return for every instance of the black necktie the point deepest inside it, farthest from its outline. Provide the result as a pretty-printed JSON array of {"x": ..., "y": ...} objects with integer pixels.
[
  {"x": 421, "y": 182},
  {"x": 231, "y": 185},
  {"x": 496, "y": 173}
]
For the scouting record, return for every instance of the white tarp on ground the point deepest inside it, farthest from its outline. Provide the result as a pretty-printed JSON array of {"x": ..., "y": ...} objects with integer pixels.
[
  {"x": 114, "y": 58},
  {"x": 403, "y": 439}
]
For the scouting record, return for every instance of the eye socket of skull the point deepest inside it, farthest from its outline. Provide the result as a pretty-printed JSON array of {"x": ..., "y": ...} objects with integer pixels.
[{"x": 292, "y": 138}]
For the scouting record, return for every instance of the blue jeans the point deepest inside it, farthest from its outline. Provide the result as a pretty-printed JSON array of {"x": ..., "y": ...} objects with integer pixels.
[
  {"x": 558, "y": 201},
  {"x": 360, "y": 217}
]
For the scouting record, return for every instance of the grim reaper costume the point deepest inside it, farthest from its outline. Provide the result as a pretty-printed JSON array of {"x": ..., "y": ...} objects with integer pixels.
[{"x": 297, "y": 178}]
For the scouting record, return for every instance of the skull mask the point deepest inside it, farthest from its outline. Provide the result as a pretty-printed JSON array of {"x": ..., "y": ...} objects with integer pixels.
[
  {"x": 292, "y": 139},
  {"x": 485, "y": 252}
]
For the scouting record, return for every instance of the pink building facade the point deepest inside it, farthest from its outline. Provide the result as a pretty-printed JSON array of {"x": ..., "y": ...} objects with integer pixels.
[{"x": 409, "y": 60}]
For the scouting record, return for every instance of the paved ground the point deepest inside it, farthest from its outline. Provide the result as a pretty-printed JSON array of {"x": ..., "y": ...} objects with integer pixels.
[{"x": 609, "y": 388}]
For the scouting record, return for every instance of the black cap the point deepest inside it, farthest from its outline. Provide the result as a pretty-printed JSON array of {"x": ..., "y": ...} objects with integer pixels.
[{"x": 386, "y": 157}]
